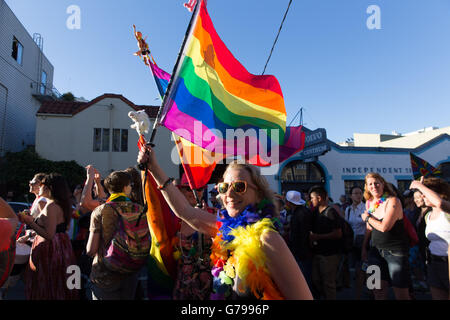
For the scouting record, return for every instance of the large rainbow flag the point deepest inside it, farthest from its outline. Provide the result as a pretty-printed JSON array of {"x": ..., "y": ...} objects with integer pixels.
[
  {"x": 211, "y": 92},
  {"x": 294, "y": 139}
]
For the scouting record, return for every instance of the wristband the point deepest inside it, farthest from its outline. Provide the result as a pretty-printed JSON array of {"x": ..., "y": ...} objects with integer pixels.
[{"x": 168, "y": 181}]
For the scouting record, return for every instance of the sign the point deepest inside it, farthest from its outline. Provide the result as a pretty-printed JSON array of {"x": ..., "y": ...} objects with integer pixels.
[
  {"x": 314, "y": 151},
  {"x": 315, "y": 137}
]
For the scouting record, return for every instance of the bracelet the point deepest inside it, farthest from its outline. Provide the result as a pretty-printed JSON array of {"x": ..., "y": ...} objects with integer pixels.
[
  {"x": 168, "y": 181},
  {"x": 367, "y": 218}
]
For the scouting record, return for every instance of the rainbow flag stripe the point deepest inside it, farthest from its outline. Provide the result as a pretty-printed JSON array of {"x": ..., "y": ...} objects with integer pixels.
[{"x": 211, "y": 86}]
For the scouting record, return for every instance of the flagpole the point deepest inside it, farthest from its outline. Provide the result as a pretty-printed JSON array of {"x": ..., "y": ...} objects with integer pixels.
[{"x": 188, "y": 31}]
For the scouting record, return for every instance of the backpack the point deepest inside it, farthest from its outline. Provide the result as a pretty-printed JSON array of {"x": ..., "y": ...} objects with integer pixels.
[
  {"x": 347, "y": 234},
  {"x": 130, "y": 245}
]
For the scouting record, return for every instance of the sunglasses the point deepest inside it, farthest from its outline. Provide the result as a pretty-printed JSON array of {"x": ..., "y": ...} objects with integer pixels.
[{"x": 239, "y": 186}]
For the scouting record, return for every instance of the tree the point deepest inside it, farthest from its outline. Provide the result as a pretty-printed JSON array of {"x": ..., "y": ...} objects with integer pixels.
[
  {"x": 68, "y": 96},
  {"x": 18, "y": 168}
]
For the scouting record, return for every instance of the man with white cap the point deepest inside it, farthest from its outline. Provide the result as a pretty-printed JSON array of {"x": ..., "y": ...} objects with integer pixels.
[{"x": 300, "y": 227}]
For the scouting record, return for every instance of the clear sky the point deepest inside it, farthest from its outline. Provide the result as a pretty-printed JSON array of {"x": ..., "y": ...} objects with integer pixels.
[{"x": 347, "y": 77}]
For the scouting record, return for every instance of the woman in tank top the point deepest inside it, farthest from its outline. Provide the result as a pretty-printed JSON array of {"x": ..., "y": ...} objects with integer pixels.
[
  {"x": 384, "y": 219},
  {"x": 436, "y": 194},
  {"x": 51, "y": 253}
]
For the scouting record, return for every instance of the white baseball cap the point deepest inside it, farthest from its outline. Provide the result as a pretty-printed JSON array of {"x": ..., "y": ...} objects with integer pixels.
[{"x": 295, "y": 197}]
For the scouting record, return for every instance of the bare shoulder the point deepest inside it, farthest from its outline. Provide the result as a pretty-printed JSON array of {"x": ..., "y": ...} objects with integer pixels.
[{"x": 272, "y": 239}]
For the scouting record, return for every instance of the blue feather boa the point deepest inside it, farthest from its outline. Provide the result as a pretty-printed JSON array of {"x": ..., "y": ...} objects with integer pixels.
[{"x": 250, "y": 215}]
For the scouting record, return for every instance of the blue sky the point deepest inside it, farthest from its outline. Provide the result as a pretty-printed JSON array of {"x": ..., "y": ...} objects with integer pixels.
[{"x": 346, "y": 77}]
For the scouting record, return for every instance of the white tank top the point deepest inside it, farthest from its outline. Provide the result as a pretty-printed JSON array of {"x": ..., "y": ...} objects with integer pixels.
[{"x": 438, "y": 232}]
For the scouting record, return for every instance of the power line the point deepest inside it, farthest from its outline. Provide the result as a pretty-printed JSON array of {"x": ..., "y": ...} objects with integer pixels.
[{"x": 276, "y": 39}]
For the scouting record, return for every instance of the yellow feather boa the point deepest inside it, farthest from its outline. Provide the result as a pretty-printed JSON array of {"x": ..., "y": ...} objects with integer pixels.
[{"x": 248, "y": 260}]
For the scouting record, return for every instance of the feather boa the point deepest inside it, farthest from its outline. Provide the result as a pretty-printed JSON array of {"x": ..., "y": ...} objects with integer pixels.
[{"x": 236, "y": 251}]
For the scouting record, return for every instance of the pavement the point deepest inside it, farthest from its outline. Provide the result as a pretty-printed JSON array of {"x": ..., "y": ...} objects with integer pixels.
[{"x": 16, "y": 291}]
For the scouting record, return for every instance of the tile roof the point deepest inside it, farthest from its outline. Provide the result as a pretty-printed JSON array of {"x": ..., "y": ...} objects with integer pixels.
[{"x": 71, "y": 108}]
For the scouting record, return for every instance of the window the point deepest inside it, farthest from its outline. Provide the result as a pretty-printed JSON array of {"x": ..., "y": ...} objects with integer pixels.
[
  {"x": 17, "y": 51},
  {"x": 101, "y": 140},
  {"x": 43, "y": 87},
  {"x": 120, "y": 140},
  {"x": 349, "y": 184}
]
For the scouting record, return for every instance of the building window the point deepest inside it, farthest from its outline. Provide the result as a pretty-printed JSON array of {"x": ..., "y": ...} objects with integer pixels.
[
  {"x": 17, "y": 51},
  {"x": 403, "y": 185},
  {"x": 101, "y": 140},
  {"x": 43, "y": 87},
  {"x": 349, "y": 184},
  {"x": 120, "y": 140}
]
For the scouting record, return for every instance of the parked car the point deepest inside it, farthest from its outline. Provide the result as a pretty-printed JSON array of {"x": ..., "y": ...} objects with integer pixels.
[{"x": 18, "y": 207}]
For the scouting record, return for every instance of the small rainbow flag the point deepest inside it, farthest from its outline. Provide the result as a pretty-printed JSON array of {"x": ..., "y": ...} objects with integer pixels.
[
  {"x": 211, "y": 91},
  {"x": 421, "y": 167}
]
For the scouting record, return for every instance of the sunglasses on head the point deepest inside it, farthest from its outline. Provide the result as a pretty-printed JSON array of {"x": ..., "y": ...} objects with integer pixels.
[{"x": 238, "y": 186}]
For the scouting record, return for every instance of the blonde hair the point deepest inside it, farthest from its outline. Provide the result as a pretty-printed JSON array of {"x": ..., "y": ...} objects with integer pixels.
[
  {"x": 259, "y": 180},
  {"x": 386, "y": 189}
]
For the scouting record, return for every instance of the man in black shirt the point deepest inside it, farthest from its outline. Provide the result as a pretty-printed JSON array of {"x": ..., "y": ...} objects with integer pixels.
[
  {"x": 300, "y": 228},
  {"x": 325, "y": 236}
]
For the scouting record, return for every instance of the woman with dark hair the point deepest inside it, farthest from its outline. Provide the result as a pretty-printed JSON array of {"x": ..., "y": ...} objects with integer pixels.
[
  {"x": 436, "y": 194},
  {"x": 51, "y": 253},
  {"x": 384, "y": 220},
  {"x": 136, "y": 185},
  {"x": 112, "y": 276}
]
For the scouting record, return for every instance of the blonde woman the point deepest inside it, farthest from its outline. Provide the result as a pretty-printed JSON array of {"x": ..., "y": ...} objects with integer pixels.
[
  {"x": 384, "y": 220},
  {"x": 268, "y": 271}
]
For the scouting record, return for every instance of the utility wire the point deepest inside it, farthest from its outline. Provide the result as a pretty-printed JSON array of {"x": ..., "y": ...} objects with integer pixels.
[{"x": 276, "y": 39}]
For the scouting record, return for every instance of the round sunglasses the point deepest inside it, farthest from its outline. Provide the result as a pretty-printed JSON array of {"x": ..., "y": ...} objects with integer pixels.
[{"x": 238, "y": 186}]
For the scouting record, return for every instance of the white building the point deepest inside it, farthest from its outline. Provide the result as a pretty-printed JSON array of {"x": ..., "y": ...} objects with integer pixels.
[
  {"x": 26, "y": 78},
  {"x": 98, "y": 132}
]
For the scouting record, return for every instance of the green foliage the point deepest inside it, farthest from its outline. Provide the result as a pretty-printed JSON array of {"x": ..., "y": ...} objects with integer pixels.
[
  {"x": 68, "y": 96},
  {"x": 18, "y": 168}
]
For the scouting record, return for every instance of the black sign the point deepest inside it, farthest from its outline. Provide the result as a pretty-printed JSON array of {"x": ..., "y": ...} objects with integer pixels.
[{"x": 315, "y": 137}]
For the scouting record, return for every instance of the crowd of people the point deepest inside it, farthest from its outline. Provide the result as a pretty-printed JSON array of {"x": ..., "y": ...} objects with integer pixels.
[{"x": 249, "y": 243}]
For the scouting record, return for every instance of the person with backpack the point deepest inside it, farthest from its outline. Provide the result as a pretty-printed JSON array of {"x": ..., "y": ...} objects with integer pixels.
[
  {"x": 119, "y": 242},
  {"x": 327, "y": 250},
  {"x": 384, "y": 220},
  {"x": 353, "y": 216}
]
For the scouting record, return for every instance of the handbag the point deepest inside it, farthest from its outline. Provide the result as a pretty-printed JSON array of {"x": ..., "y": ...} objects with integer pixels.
[{"x": 410, "y": 231}]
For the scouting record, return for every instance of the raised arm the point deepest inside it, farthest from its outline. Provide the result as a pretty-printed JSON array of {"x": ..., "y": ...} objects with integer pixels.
[
  {"x": 86, "y": 200},
  {"x": 198, "y": 219},
  {"x": 98, "y": 185},
  {"x": 432, "y": 196}
]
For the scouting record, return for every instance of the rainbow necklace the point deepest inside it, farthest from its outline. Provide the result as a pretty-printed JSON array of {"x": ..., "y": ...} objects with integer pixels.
[{"x": 377, "y": 204}]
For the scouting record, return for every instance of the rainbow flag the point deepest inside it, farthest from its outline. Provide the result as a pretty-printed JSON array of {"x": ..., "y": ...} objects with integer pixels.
[
  {"x": 294, "y": 140},
  {"x": 211, "y": 92},
  {"x": 421, "y": 167}
]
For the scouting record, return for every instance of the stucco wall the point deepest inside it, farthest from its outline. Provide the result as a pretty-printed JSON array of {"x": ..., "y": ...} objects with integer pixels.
[{"x": 71, "y": 138}]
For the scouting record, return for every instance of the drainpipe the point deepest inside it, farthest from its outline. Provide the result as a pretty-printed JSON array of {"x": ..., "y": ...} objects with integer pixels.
[
  {"x": 2, "y": 134},
  {"x": 110, "y": 107}
]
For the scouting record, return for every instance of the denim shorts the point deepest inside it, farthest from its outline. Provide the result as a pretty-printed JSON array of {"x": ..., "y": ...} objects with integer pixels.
[{"x": 394, "y": 266}]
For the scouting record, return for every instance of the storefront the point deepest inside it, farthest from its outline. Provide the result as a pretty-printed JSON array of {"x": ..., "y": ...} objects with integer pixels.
[{"x": 342, "y": 167}]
